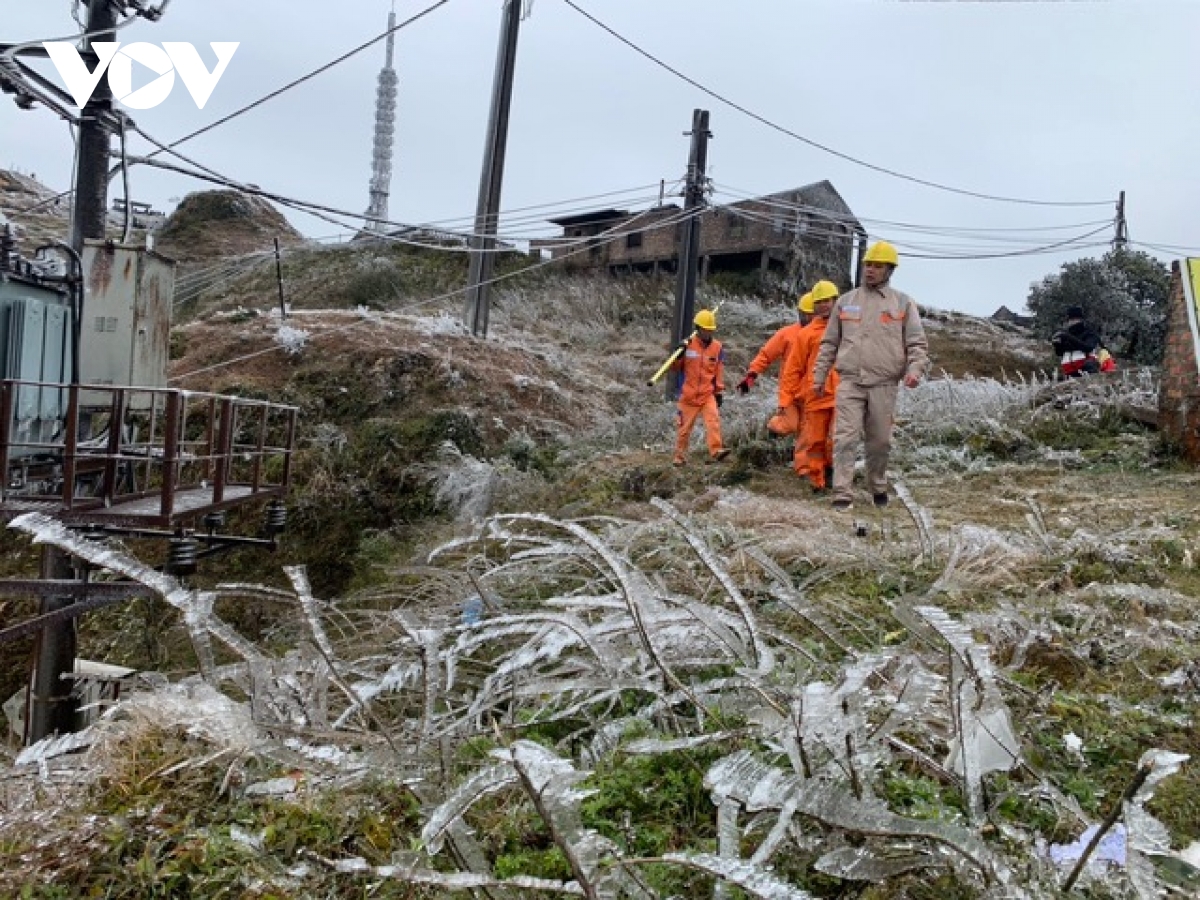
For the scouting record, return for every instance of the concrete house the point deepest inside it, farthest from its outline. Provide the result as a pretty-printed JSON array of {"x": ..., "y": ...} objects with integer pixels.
[{"x": 809, "y": 232}]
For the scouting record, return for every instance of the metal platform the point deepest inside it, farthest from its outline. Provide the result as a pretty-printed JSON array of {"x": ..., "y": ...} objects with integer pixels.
[{"x": 138, "y": 457}]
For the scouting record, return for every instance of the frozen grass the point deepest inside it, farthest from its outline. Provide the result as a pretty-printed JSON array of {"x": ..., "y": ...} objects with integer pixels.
[{"x": 529, "y": 667}]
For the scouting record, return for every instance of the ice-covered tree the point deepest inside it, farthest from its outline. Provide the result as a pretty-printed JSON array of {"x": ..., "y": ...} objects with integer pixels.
[{"x": 1123, "y": 294}]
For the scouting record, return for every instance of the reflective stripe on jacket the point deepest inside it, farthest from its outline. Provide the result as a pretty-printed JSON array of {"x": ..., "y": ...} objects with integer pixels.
[
  {"x": 703, "y": 371},
  {"x": 874, "y": 336}
]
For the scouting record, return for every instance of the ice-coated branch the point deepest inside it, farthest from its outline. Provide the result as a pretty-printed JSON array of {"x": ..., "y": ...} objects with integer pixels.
[
  {"x": 763, "y": 658},
  {"x": 449, "y": 881}
]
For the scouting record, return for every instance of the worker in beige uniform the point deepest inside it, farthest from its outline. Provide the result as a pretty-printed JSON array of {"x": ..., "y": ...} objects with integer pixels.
[{"x": 875, "y": 342}]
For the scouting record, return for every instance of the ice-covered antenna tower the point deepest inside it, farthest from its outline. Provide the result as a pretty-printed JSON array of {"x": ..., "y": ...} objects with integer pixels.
[{"x": 385, "y": 130}]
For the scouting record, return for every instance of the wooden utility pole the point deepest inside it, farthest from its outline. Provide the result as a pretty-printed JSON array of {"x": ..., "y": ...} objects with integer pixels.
[
  {"x": 52, "y": 705},
  {"x": 1121, "y": 238},
  {"x": 689, "y": 242},
  {"x": 483, "y": 243}
]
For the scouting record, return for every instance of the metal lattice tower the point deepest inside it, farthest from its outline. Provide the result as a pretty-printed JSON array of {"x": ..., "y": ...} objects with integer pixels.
[{"x": 385, "y": 131}]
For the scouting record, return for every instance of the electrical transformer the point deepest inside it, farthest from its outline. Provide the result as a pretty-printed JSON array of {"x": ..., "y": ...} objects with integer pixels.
[{"x": 36, "y": 326}]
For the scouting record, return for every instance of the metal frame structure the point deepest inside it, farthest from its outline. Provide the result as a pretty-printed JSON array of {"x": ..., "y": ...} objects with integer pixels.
[{"x": 143, "y": 457}]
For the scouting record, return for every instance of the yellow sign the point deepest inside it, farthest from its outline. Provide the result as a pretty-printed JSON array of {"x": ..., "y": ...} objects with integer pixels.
[
  {"x": 1194, "y": 274},
  {"x": 1191, "y": 291}
]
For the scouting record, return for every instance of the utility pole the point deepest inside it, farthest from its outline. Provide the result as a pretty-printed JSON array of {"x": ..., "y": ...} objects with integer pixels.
[
  {"x": 279, "y": 281},
  {"x": 1121, "y": 238},
  {"x": 689, "y": 243},
  {"x": 483, "y": 259},
  {"x": 95, "y": 140},
  {"x": 52, "y": 705}
]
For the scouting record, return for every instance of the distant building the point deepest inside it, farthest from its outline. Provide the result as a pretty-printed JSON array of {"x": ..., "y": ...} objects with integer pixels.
[
  {"x": 141, "y": 214},
  {"x": 807, "y": 234},
  {"x": 1004, "y": 314}
]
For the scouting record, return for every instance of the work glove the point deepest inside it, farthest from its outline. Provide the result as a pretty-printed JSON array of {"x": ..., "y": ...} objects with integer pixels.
[
  {"x": 743, "y": 386},
  {"x": 719, "y": 397}
]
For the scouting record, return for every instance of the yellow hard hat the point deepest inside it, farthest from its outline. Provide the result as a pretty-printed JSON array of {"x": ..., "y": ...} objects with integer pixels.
[
  {"x": 824, "y": 290},
  {"x": 706, "y": 320},
  {"x": 806, "y": 304},
  {"x": 882, "y": 252}
]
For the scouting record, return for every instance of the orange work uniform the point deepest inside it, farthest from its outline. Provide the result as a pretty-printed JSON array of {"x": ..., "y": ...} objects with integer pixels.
[
  {"x": 779, "y": 347},
  {"x": 814, "y": 446},
  {"x": 702, "y": 367}
]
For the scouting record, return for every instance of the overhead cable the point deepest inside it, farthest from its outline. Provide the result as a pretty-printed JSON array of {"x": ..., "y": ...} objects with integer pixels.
[
  {"x": 598, "y": 240},
  {"x": 270, "y": 96},
  {"x": 720, "y": 98},
  {"x": 779, "y": 202},
  {"x": 310, "y": 75}
]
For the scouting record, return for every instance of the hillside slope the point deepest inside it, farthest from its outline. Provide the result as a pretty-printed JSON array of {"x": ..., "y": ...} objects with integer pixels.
[
  {"x": 210, "y": 225},
  {"x": 537, "y": 650}
]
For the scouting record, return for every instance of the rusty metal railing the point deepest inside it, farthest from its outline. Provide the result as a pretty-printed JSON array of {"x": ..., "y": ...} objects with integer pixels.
[{"x": 153, "y": 456}]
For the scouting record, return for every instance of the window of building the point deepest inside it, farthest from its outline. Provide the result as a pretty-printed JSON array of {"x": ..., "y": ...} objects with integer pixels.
[{"x": 633, "y": 239}]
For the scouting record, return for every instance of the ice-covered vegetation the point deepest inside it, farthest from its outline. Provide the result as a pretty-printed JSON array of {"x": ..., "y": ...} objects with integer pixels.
[
  {"x": 563, "y": 673},
  {"x": 562, "y": 667}
]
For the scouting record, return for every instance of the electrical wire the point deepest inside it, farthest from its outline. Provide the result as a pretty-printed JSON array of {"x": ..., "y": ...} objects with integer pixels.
[
  {"x": 319, "y": 210},
  {"x": 720, "y": 98},
  {"x": 832, "y": 232},
  {"x": 598, "y": 240},
  {"x": 310, "y": 75},
  {"x": 504, "y": 214},
  {"x": 260, "y": 101},
  {"x": 1169, "y": 249},
  {"x": 1075, "y": 242},
  {"x": 16, "y": 49},
  {"x": 776, "y": 201},
  {"x": 968, "y": 252}
]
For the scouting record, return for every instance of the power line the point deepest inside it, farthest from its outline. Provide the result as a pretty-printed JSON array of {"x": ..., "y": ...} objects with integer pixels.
[
  {"x": 720, "y": 98},
  {"x": 1169, "y": 249},
  {"x": 607, "y": 237},
  {"x": 1075, "y": 242},
  {"x": 318, "y": 210},
  {"x": 310, "y": 75},
  {"x": 968, "y": 253},
  {"x": 273, "y": 94},
  {"x": 776, "y": 201}
]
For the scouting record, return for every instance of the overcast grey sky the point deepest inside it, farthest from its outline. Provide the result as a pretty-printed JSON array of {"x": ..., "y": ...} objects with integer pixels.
[{"x": 1061, "y": 101}]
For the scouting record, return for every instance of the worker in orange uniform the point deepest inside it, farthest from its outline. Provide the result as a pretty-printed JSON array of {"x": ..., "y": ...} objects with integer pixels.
[
  {"x": 702, "y": 370},
  {"x": 814, "y": 444},
  {"x": 779, "y": 347}
]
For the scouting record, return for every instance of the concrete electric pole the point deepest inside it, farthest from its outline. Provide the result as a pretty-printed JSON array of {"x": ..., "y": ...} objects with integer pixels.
[
  {"x": 689, "y": 244},
  {"x": 1121, "y": 238},
  {"x": 95, "y": 139},
  {"x": 483, "y": 260},
  {"x": 52, "y": 705}
]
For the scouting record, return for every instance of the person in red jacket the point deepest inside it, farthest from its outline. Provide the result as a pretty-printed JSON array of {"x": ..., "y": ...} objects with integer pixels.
[
  {"x": 702, "y": 370},
  {"x": 814, "y": 445},
  {"x": 779, "y": 346}
]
